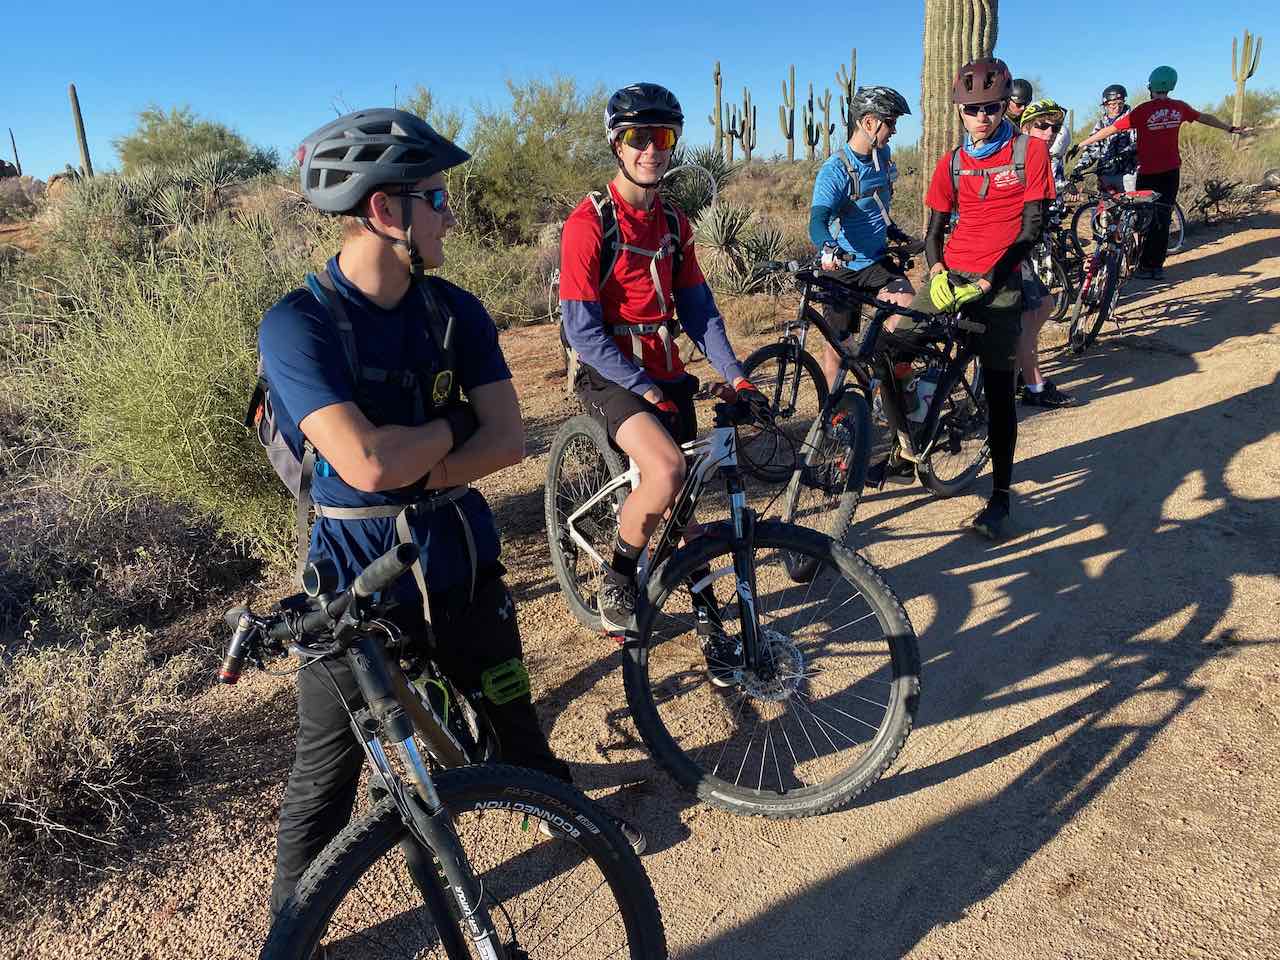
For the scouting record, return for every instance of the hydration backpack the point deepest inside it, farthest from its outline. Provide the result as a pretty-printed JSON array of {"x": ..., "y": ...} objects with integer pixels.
[
  {"x": 1018, "y": 166},
  {"x": 296, "y": 470}
]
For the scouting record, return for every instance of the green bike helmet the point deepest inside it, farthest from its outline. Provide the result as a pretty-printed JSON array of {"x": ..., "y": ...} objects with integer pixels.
[{"x": 1162, "y": 80}]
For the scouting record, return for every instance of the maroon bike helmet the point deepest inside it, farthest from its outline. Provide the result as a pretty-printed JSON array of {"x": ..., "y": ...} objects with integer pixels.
[{"x": 982, "y": 81}]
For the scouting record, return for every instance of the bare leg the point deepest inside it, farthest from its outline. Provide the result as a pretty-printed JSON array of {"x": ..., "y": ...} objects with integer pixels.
[
  {"x": 1032, "y": 322},
  {"x": 662, "y": 469}
]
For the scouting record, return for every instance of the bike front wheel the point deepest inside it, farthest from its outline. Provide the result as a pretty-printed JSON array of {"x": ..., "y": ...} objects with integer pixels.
[
  {"x": 581, "y": 461},
  {"x": 573, "y": 890},
  {"x": 825, "y": 711},
  {"x": 796, "y": 388}
]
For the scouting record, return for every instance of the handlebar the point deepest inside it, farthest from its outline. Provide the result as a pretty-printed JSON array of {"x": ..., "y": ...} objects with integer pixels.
[{"x": 283, "y": 627}]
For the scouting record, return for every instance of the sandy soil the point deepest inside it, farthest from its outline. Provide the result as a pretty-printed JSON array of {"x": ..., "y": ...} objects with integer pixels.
[{"x": 1093, "y": 770}]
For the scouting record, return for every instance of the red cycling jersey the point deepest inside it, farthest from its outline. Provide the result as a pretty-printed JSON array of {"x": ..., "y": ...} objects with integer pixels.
[
  {"x": 629, "y": 295},
  {"x": 1157, "y": 123},
  {"x": 988, "y": 225}
]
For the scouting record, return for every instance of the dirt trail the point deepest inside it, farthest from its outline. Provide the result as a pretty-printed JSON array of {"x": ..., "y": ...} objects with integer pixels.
[{"x": 1093, "y": 770}]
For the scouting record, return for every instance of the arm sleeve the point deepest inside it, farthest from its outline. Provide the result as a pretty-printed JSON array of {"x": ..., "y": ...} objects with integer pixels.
[
  {"x": 933, "y": 237},
  {"x": 1032, "y": 225},
  {"x": 582, "y": 315},
  {"x": 705, "y": 327},
  {"x": 583, "y": 323},
  {"x": 1061, "y": 143},
  {"x": 829, "y": 190}
]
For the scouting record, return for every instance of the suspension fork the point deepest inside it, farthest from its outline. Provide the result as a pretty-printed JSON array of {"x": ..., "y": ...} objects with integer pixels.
[
  {"x": 421, "y": 809},
  {"x": 744, "y": 566}
]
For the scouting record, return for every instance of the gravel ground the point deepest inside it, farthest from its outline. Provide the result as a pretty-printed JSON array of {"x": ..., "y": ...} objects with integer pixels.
[{"x": 1093, "y": 770}]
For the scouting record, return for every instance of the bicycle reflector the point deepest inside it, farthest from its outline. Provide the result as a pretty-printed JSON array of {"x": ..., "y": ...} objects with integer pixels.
[{"x": 505, "y": 682}]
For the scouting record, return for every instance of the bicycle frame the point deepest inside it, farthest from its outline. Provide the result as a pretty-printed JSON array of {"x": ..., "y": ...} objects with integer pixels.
[{"x": 716, "y": 453}]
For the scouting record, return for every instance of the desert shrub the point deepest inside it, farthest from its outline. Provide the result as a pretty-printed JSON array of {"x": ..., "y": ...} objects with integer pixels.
[
  {"x": 175, "y": 139},
  {"x": 20, "y": 198},
  {"x": 84, "y": 731},
  {"x": 509, "y": 278},
  {"x": 690, "y": 189}
]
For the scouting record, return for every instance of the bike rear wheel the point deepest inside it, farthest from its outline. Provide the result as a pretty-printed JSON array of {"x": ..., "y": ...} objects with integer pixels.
[
  {"x": 581, "y": 461},
  {"x": 796, "y": 388},
  {"x": 1059, "y": 284},
  {"x": 582, "y": 894},
  {"x": 960, "y": 449},
  {"x": 826, "y": 486},
  {"x": 831, "y": 706}
]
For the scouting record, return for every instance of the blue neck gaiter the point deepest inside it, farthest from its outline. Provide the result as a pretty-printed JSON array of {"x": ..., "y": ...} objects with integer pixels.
[{"x": 1002, "y": 135}]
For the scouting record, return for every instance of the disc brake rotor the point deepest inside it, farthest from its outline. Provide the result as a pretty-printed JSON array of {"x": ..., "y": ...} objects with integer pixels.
[{"x": 785, "y": 673}]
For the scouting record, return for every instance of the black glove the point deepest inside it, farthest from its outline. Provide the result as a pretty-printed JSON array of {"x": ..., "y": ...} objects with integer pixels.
[
  {"x": 669, "y": 416},
  {"x": 1073, "y": 152},
  {"x": 754, "y": 403},
  {"x": 462, "y": 422}
]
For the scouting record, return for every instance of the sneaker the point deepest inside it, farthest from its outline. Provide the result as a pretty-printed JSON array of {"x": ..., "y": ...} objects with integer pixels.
[
  {"x": 628, "y": 830},
  {"x": 617, "y": 602},
  {"x": 890, "y": 466},
  {"x": 993, "y": 520},
  {"x": 724, "y": 659},
  {"x": 1050, "y": 396}
]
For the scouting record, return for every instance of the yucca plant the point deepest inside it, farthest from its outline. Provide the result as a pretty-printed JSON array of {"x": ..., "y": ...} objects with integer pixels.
[{"x": 690, "y": 189}]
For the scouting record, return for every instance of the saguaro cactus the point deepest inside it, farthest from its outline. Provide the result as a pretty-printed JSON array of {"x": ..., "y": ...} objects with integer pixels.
[
  {"x": 732, "y": 131},
  {"x": 714, "y": 118},
  {"x": 811, "y": 132},
  {"x": 747, "y": 132},
  {"x": 14, "y": 143},
  {"x": 828, "y": 127},
  {"x": 955, "y": 32},
  {"x": 787, "y": 114},
  {"x": 85, "y": 163},
  {"x": 1248, "y": 64},
  {"x": 847, "y": 80}
]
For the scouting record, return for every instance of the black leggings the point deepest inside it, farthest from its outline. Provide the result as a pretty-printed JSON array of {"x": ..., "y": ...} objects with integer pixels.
[{"x": 1002, "y": 424}]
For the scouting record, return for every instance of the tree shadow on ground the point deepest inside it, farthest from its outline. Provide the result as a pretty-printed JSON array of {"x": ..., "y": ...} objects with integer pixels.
[{"x": 1104, "y": 585}]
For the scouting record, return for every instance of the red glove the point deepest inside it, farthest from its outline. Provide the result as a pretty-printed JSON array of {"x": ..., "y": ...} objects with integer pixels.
[
  {"x": 669, "y": 416},
  {"x": 752, "y": 399}
]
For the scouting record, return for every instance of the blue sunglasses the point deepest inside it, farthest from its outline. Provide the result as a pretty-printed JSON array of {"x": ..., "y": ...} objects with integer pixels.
[{"x": 437, "y": 197}]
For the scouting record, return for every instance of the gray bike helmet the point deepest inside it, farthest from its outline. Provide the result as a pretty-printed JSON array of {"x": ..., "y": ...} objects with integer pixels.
[
  {"x": 883, "y": 102},
  {"x": 346, "y": 159},
  {"x": 642, "y": 105}
]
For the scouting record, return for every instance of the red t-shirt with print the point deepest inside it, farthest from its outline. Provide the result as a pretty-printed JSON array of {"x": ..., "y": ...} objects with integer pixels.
[
  {"x": 988, "y": 225},
  {"x": 1157, "y": 122},
  {"x": 629, "y": 295}
]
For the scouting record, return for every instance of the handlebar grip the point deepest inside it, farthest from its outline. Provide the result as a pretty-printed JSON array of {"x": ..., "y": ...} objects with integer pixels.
[
  {"x": 238, "y": 649},
  {"x": 232, "y": 617},
  {"x": 385, "y": 570}
]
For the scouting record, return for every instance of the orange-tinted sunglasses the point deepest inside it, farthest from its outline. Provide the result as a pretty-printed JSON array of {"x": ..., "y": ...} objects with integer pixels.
[{"x": 638, "y": 138}]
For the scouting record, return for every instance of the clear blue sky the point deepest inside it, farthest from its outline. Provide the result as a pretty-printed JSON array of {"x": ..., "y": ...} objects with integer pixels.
[{"x": 273, "y": 71}]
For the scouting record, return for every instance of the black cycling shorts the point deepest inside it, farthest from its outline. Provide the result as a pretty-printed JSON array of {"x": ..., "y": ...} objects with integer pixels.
[
  {"x": 612, "y": 405},
  {"x": 869, "y": 280}
]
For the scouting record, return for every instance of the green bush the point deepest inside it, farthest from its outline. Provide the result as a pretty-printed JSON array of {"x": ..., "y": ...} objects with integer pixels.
[{"x": 174, "y": 139}]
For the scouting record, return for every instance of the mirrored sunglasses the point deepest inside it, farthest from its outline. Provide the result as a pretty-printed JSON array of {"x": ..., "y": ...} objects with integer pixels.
[
  {"x": 638, "y": 138},
  {"x": 437, "y": 198}
]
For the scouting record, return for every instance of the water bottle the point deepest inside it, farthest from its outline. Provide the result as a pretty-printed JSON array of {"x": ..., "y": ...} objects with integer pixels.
[{"x": 924, "y": 385}]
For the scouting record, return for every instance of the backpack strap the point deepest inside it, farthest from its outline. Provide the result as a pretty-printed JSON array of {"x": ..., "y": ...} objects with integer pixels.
[
  {"x": 1018, "y": 166},
  {"x": 609, "y": 236},
  {"x": 855, "y": 184},
  {"x": 442, "y": 327}
]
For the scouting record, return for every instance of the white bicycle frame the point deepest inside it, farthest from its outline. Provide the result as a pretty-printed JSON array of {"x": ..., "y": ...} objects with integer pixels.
[{"x": 706, "y": 457}]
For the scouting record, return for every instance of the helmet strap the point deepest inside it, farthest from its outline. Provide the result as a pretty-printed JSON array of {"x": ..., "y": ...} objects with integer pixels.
[
  {"x": 617, "y": 156},
  {"x": 417, "y": 269}
]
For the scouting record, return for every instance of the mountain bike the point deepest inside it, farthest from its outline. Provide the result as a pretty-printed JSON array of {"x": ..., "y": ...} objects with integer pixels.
[
  {"x": 1115, "y": 254},
  {"x": 1087, "y": 220},
  {"x": 945, "y": 436},
  {"x": 486, "y": 860},
  {"x": 763, "y": 692},
  {"x": 1054, "y": 261}
]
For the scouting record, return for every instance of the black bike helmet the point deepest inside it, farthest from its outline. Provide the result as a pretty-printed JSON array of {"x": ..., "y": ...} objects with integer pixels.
[
  {"x": 1114, "y": 91},
  {"x": 883, "y": 102},
  {"x": 1022, "y": 93},
  {"x": 346, "y": 159},
  {"x": 642, "y": 105}
]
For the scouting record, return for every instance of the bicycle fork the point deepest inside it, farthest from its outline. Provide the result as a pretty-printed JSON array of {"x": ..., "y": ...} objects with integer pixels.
[
  {"x": 421, "y": 809},
  {"x": 744, "y": 569}
]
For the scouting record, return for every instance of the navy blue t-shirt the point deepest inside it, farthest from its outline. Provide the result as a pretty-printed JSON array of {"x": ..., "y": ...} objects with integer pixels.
[{"x": 305, "y": 363}]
